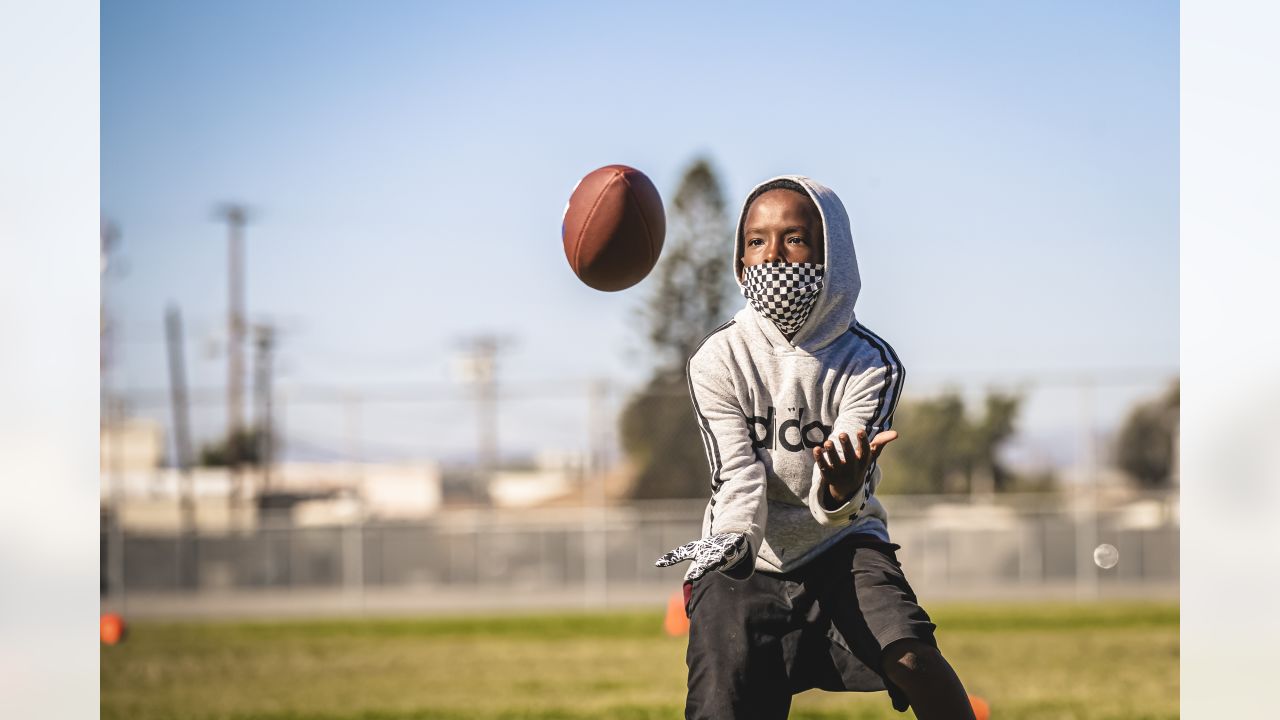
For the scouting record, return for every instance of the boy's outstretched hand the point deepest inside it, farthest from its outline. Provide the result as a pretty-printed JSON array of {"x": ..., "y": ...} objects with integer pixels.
[
  {"x": 844, "y": 472},
  {"x": 709, "y": 553}
]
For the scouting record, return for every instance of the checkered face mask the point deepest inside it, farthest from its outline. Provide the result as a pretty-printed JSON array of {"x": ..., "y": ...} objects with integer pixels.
[{"x": 783, "y": 292}]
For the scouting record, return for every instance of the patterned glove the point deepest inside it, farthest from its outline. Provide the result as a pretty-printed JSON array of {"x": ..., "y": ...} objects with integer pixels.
[{"x": 710, "y": 553}]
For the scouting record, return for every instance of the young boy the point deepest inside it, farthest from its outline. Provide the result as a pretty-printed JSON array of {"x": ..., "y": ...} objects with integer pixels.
[{"x": 794, "y": 399}]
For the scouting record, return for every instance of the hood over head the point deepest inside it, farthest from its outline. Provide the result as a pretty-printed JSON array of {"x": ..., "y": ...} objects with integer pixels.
[{"x": 832, "y": 312}]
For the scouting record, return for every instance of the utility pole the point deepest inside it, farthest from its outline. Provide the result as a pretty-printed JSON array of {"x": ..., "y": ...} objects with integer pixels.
[
  {"x": 595, "y": 525},
  {"x": 109, "y": 237},
  {"x": 480, "y": 367},
  {"x": 236, "y": 217},
  {"x": 264, "y": 344},
  {"x": 181, "y": 445},
  {"x": 111, "y": 413},
  {"x": 1087, "y": 513},
  {"x": 353, "y": 532}
]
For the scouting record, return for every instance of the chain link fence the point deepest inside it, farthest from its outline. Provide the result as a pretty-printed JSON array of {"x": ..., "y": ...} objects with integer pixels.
[
  {"x": 951, "y": 549},
  {"x": 582, "y": 542}
]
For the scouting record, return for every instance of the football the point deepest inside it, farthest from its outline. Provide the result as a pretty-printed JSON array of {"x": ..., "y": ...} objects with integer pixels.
[{"x": 613, "y": 228}]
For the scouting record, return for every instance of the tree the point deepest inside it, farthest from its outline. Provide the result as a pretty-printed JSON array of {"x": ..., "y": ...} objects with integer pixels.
[
  {"x": 694, "y": 287},
  {"x": 692, "y": 294},
  {"x": 944, "y": 450},
  {"x": 988, "y": 434},
  {"x": 248, "y": 445},
  {"x": 1145, "y": 445},
  {"x": 662, "y": 440},
  {"x": 932, "y": 447}
]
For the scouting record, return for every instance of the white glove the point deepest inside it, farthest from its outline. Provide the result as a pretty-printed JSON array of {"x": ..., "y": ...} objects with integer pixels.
[{"x": 710, "y": 553}]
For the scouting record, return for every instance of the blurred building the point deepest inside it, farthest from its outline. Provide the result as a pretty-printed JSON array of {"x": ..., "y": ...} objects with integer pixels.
[
  {"x": 553, "y": 476},
  {"x": 147, "y": 495},
  {"x": 135, "y": 444}
]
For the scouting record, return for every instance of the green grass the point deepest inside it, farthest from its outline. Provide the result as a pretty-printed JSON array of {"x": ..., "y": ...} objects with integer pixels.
[{"x": 1047, "y": 662}]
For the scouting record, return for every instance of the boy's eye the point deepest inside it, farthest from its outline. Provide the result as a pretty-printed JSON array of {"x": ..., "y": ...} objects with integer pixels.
[
  {"x": 755, "y": 241},
  {"x": 795, "y": 239}
]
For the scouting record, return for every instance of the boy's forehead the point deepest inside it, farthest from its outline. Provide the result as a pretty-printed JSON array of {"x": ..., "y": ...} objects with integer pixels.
[{"x": 783, "y": 201}]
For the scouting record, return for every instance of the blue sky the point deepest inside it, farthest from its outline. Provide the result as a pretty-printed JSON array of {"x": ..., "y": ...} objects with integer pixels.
[{"x": 1011, "y": 170}]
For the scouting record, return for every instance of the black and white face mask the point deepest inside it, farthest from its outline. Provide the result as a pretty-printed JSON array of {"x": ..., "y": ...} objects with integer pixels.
[{"x": 783, "y": 292}]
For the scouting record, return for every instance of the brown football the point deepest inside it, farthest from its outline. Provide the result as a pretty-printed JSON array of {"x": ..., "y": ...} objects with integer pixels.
[{"x": 613, "y": 228}]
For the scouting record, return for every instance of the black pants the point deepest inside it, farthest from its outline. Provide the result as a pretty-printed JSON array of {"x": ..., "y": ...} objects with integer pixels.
[{"x": 754, "y": 643}]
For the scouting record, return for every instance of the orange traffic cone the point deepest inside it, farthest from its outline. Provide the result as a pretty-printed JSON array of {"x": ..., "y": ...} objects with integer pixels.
[
  {"x": 112, "y": 629},
  {"x": 676, "y": 622}
]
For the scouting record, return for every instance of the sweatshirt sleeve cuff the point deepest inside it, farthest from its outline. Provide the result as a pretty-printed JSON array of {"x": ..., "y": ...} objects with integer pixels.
[
  {"x": 841, "y": 516},
  {"x": 744, "y": 568}
]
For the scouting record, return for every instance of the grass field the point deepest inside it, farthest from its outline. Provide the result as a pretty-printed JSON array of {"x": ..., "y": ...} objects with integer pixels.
[{"x": 1047, "y": 662}]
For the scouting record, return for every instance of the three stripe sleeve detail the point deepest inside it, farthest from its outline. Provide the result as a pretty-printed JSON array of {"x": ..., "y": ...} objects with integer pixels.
[
  {"x": 709, "y": 443},
  {"x": 891, "y": 390}
]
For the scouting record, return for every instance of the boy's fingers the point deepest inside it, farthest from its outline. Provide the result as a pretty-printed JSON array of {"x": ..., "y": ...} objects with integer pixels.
[
  {"x": 883, "y": 439},
  {"x": 697, "y": 571},
  {"x": 829, "y": 450},
  {"x": 680, "y": 554},
  {"x": 860, "y": 450},
  {"x": 818, "y": 458},
  {"x": 847, "y": 446},
  {"x": 824, "y": 456}
]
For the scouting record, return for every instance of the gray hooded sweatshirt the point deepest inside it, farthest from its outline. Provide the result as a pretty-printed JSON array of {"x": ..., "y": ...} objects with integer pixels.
[{"x": 763, "y": 402}]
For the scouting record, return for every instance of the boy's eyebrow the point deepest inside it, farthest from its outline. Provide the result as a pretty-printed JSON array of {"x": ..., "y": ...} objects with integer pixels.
[{"x": 788, "y": 229}]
